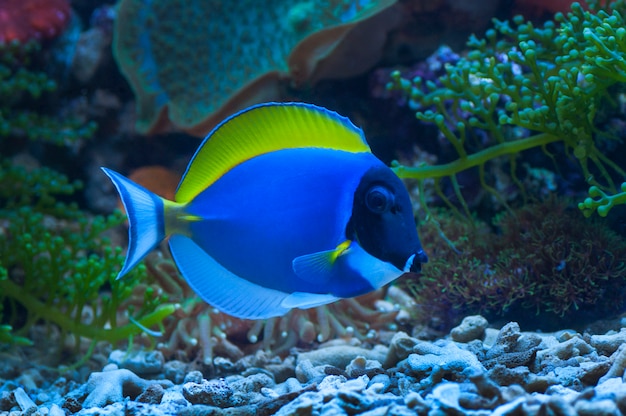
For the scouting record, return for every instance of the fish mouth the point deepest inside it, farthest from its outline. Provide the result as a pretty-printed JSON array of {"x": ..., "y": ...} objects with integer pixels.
[{"x": 414, "y": 262}]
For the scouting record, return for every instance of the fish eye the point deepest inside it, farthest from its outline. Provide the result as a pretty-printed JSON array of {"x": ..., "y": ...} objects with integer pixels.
[{"x": 379, "y": 199}]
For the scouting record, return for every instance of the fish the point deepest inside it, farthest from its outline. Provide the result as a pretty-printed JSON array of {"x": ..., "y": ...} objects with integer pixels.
[{"x": 282, "y": 206}]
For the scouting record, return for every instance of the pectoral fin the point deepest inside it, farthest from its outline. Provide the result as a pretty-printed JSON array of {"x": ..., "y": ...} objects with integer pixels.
[{"x": 318, "y": 267}]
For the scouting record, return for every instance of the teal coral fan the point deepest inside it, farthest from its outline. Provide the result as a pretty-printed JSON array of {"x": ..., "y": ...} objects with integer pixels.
[
  {"x": 187, "y": 60},
  {"x": 551, "y": 81},
  {"x": 56, "y": 264}
]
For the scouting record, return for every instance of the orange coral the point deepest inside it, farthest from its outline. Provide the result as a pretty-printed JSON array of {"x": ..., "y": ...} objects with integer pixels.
[
  {"x": 24, "y": 20},
  {"x": 160, "y": 180}
]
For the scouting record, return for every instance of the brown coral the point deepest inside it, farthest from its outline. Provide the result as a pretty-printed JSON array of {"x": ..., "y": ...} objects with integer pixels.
[
  {"x": 546, "y": 265},
  {"x": 566, "y": 263}
]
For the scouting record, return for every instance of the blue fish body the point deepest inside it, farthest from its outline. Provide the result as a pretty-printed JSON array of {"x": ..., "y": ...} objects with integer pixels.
[
  {"x": 256, "y": 217},
  {"x": 266, "y": 225}
]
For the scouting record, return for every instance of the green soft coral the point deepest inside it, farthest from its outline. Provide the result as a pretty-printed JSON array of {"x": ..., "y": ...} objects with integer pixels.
[
  {"x": 550, "y": 81},
  {"x": 56, "y": 264},
  {"x": 60, "y": 269}
]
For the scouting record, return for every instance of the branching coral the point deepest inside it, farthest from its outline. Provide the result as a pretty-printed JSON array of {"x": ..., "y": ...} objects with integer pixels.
[
  {"x": 546, "y": 265},
  {"x": 549, "y": 81},
  {"x": 55, "y": 279},
  {"x": 56, "y": 265}
]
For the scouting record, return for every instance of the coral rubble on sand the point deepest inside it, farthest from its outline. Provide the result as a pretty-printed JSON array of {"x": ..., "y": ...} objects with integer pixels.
[{"x": 505, "y": 372}]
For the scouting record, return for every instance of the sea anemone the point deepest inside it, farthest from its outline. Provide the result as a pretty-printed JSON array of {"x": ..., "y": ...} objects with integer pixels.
[{"x": 24, "y": 20}]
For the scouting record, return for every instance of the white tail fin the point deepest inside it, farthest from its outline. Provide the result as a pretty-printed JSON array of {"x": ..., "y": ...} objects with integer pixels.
[{"x": 145, "y": 211}]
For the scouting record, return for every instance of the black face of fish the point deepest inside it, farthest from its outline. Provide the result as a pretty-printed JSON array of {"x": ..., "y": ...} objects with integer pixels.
[{"x": 382, "y": 221}]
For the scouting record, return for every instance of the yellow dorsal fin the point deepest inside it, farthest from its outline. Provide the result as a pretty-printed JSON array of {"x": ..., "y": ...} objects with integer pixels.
[{"x": 265, "y": 128}]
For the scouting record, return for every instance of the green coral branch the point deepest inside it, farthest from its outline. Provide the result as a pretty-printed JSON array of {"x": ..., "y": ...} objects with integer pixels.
[
  {"x": 550, "y": 81},
  {"x": 6, "y": 331},
  {"x": 67, "y": 323},
  {"x": 603, "y": 202},
  {"x": 475, "y": 159},
  {"x": 55, "y": 261}
]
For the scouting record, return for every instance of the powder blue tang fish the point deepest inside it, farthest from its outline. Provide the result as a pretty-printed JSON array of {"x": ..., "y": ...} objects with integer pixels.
[{"x": 282, "y": 206}]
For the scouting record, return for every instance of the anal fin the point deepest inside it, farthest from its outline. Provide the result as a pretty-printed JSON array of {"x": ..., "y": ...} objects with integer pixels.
[
  {"x": 220, "y": 287},
  {"x": 307, "y": 300}
]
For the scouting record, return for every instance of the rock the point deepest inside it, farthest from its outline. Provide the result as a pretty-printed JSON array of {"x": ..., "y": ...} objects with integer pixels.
[
  {"x": 25, "y": 403},
  {"x": 213, "y": 393},
  {"x": 341, "y": 355},
  {"x": 152, "y": 394},
  {"x": 400, "y": 347},
  {"x": 558, "y": 405},
  {"x": 306, "y": 404},
  {"x": 55, "y": 410},
  {"x": 597, "y": 408},
  {"x": 618, "y": 364},
  {"x": 436, "y": 378},
  {"x": 113, "y": 386},
  {"x": 29, "y": 379},
  {"x": 253, "y": 383},
  {"x": 414, "y": 401},
  {"x": 193, "y": 377},
  {"x": 142, "y": 363},
  {"x": 307, "y": 372},
  {"x": 72, "y": 405},
  {"x": 484, "y": 385},
  {"x": 352, "y": 402},
  {"x": 472, "y": 327},
  {"x": 7, "y": 401},
  {"x": 431, "y": 358},
  {"x": 381, "y": 382},
  {"x": 573, "y": 347},
  {"x": 175, "y": 371},
  {"x": 511, "y": 348},
  {"x": 608, "y": 343},
  {"x": 282, "y": 370},
  {"x": 360, "y": 366}
]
